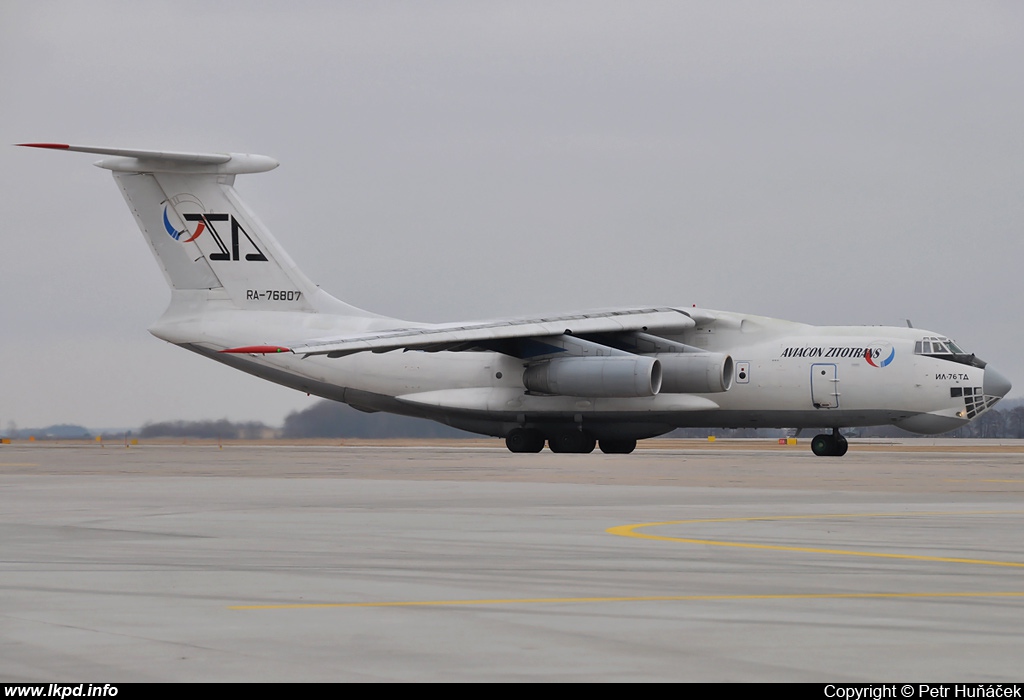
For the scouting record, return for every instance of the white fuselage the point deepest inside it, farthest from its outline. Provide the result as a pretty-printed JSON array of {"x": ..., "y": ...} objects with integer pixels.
[{"x": 786, "y": 375}]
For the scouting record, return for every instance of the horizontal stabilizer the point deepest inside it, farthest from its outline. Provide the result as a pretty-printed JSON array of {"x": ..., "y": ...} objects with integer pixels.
[{"x": 141, "y": 161}]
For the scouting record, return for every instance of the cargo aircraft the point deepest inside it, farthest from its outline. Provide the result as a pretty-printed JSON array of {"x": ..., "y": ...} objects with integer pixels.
[{"x": 607, "y": 377}]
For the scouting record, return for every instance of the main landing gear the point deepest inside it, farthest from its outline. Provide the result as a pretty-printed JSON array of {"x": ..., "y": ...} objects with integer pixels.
[
  {"x": 524, "y": 440},
  {"x": 617, "y": 447},
  {"x": 572, "y": 441},
  {"x": 834, "y": 445},
  {"x": 566, "y": 442}
]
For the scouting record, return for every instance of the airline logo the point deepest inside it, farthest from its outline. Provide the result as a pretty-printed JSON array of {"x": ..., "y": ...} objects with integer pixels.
[
  {"x": 207, "y": 222},
  {"x": 176, "y": 235},
  {"x": 878, "y": 353}
]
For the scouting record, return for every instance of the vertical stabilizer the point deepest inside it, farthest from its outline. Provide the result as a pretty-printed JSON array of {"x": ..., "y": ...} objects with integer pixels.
[{"x": 203, "y": 235}]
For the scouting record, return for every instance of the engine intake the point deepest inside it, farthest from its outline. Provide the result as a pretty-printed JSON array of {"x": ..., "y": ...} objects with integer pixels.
[
  {"x": 610, "y": 377},
  {"x": 695, "y": 372}
]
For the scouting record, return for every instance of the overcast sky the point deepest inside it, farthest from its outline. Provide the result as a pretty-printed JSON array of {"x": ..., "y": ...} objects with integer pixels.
[{"x": 834, "y": 163}]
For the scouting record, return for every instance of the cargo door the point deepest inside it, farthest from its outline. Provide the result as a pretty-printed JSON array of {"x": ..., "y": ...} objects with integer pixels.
[{"x": 825, "y": 386}]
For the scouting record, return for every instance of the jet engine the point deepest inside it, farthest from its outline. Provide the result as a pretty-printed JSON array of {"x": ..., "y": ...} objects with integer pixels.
[
  {"x": 618, "y": 376},
  {"x": 695, "y": 372}
]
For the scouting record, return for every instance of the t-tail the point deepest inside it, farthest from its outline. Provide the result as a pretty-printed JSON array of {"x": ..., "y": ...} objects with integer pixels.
[{"x": 206, "y": 240}]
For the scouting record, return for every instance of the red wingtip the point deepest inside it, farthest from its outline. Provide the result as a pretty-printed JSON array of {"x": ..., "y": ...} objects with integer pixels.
[
  {"x": 55, "y": 146},
  {"x": 256, "y": 350}
]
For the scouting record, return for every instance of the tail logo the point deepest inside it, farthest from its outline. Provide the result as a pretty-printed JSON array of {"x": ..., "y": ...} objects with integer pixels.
[
  {"x": 205, "y": 222},
  {"x": 176, "y": 235}
]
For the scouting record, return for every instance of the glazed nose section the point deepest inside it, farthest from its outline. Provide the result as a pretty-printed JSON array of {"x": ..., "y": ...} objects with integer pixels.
[{"x": 995, "y": 384}]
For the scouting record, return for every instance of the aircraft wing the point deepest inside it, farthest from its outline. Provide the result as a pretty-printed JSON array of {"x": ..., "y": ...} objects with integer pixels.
[{"x": 487, "y": 333}]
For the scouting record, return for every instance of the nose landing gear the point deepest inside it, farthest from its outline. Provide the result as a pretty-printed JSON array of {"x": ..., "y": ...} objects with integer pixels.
[{"x": 834, "y": 445}]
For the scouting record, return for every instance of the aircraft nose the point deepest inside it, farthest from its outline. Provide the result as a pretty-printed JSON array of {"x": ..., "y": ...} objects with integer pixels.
[{"x": 995, "y": 384}]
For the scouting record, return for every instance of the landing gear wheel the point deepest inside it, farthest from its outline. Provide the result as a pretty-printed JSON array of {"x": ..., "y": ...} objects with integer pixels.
[
  {"x": 834, "y": 445},
  {"x": 524, "y": 440},
  {"x": 617, "y": 447},
  {"x": 821, "y": 445},
  {"x": 572, "y": 441},
  {"x": 841, "y": 445}
]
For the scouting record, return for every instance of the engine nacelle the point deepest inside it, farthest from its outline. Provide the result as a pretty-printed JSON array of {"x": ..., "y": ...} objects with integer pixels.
[
  {"x": 597, "y": 377},
  {"x": 695, "y": 372}
]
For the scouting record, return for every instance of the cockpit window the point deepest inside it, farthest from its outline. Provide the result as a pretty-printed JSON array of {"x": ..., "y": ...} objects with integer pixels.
[
  {"x": 936, "y": 346},
  {"x": 945, "y": 349}
]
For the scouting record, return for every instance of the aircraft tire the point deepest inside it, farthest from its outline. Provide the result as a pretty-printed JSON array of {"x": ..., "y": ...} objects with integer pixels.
[
  {"x": 617, "y": 447},
  {"x": 572, "y": 442},
  {"x": 524, "y": 440},
  {"x": 841, "y": 446},
  {"x": 822, "y": 445}
]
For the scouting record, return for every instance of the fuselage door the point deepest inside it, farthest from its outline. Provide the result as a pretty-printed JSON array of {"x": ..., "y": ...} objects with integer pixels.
[{"x": 824, "y": 386}]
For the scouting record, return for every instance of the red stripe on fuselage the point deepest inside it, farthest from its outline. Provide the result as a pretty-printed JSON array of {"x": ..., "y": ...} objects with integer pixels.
[{"x": 256, "y": 350}]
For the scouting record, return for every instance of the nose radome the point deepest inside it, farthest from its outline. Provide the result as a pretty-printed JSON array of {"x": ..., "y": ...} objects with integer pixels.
[{"x": 995, "y": 384}]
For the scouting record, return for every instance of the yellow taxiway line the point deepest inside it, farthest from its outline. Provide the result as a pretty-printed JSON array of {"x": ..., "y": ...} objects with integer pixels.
[{"x": 631, "y": 531}]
